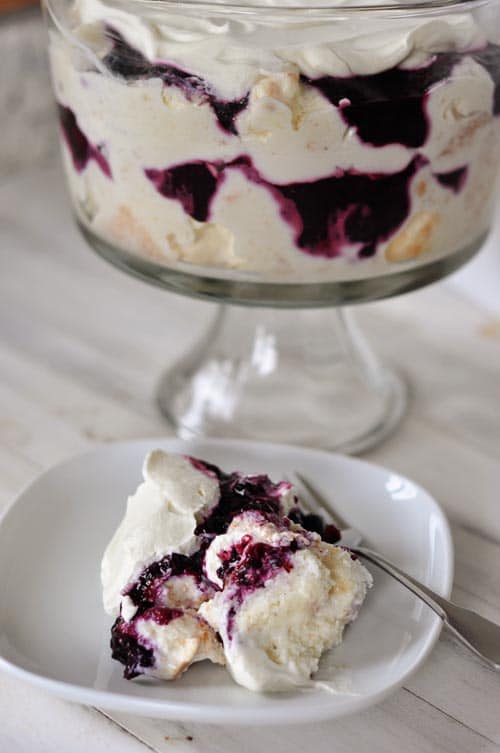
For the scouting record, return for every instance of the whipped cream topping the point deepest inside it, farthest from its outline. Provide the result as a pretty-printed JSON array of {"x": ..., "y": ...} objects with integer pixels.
[
  {"x": 160, "y": 518},
  {"x": 232, "y": 53}
]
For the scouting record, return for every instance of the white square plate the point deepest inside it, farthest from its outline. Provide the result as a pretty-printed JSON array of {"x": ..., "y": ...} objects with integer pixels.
[{"x": 55, "y": 634}]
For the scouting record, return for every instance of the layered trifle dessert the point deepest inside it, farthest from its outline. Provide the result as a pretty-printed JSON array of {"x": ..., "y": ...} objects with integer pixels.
[
  {"x": 285, "y": 146},
  {"x": 225, "y": 567}
]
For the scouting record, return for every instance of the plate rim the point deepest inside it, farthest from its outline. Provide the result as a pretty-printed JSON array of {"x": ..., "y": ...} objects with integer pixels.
[{"x": 185, "y": 711}]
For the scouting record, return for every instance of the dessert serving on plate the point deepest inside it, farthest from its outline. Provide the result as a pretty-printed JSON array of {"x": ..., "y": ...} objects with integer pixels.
[
  {"x": 210, "y": 565},
  {"x": 287, "y": 146}
]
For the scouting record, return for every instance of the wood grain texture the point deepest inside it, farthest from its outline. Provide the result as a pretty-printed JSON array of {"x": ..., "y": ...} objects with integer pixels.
[
  {"x": 26, "y": 102},
  {"x": 81, "y": 349}
]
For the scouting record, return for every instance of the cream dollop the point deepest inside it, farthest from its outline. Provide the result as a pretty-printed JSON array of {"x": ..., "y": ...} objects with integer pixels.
[{"x": 161, "y": 517}]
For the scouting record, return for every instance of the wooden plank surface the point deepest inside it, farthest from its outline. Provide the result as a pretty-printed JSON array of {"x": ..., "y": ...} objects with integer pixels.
[{"x": 81, "y": 349}]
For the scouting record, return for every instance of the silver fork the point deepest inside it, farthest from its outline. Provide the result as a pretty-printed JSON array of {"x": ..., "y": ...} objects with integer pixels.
[{"x": 478, "y": 634}]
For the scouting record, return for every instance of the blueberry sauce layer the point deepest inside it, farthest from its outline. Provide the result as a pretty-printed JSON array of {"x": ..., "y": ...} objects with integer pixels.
[
  {"x": 129, "y": 63},
  {"x": 390, "y": 107},
  {"x": 129, "y": 650},
  {"x": 385, "y": 108},
  {"x": 239, "y": 493},
  {"x": 145, "y": 593},
  {"x": 327, "y": 215},
  {"x": 346, "y": 213},
  {"x": 81, "y": 150},
  {"x": 252, "y": 568},
  {"x": 248, "y": 565},
  {"x": 132, "y": 649},
  {"x": 454, "y": 179}
]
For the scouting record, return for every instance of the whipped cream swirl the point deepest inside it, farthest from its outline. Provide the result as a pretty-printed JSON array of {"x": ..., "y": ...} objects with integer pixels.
[{"x": 233, "y": 52}]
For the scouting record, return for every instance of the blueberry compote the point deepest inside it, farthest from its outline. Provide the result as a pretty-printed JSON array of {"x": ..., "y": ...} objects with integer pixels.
[
  {"x": 124, "y": 61},
  {"x": 454, "y": 179},
  {"x": 81, "y": 150},
  {"x": 127, "y": 648},
  {"x": 245, "y": 571},
  {"x": 246, "y": 567},
  {"x": 391, "y": 107},
  {"x": 347, "y": 208},
  {"x": 348, "y": 211}
]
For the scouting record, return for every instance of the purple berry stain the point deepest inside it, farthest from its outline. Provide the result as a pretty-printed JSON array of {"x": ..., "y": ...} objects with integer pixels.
[
  {"x": 129, "y": 63},
  {"x": 127, "y": 648},
  {"x": 252, "y": 567},
  {"x": 81, "y": 150},
  {"x": 327, "y": 216},
  {"x": 130, "y": 648},
  {"x": 146, "y": 592},
  {"x": 390, "y": 107},
  {"x": 454, "y": 179},
  {"x": 385, "y": 108},
  {"x": 193, "y": 185}
]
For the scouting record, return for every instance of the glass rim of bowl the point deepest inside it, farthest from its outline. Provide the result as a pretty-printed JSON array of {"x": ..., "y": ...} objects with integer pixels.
[{"x": 334, "y": 10}]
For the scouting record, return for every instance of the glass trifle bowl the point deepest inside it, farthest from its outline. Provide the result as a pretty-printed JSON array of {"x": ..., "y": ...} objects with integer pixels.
[{"x": 282, "y": 158}]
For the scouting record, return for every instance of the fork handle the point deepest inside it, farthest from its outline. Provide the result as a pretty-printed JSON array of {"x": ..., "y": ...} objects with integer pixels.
[{"x": 479, "y": 635}]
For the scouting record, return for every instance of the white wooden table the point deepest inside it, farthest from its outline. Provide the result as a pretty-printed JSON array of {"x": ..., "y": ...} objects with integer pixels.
[{"x": 81, "y": 349}]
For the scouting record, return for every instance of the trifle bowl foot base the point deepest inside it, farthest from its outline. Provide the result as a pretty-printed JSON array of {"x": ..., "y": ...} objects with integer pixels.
[{"x": 303, "y": 377}]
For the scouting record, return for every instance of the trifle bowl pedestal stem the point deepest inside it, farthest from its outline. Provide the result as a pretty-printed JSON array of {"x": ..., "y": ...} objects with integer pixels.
[{"x": 306, "y": 377}]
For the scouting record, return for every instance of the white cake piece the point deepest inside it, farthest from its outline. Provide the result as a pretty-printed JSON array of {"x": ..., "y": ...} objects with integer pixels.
[
  {"x": 178, "y": 644},
  {"x": 275, "y": 634}
]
